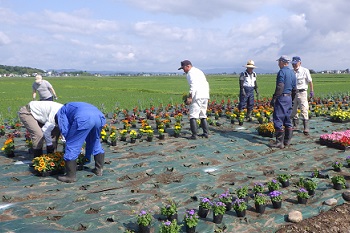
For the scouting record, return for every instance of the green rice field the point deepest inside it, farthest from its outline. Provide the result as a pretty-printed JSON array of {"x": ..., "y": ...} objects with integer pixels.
[{"x": 108, "y": 93}]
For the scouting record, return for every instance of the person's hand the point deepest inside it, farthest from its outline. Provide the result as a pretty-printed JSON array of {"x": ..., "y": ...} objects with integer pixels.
[
  {"x": 272, "y": 103},
  {"x": 243, "y": 93},
  {"x": 188, "y": 100},
  {"x": 311, "y": 94},
  {"x": 257, "y": 95}
]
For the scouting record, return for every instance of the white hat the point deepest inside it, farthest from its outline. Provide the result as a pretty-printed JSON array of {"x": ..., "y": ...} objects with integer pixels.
[
  {"x": 38, "y": 79},
  {"x": 250, "y": 64}
]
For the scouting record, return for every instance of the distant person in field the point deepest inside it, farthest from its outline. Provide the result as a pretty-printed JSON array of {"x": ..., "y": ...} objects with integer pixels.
[
  {"x": 282, "y": 103},
  {"x": 39, "y": 119},
  {"x": 301, "y": 101},
  {"x": 81, "y": 122},
  {"x": 44, "y": 88},
  {"x": 247, "y": 85},
  {"x": 198, "y": 98}
]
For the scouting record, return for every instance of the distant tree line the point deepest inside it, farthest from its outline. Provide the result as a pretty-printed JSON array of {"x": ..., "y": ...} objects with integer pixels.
[{"x": 18, "y": 70}]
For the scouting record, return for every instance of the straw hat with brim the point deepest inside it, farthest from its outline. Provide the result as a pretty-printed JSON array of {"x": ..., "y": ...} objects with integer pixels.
[
  {"x": 38, "y": 79},
  {"x": 250, "y": 64}
]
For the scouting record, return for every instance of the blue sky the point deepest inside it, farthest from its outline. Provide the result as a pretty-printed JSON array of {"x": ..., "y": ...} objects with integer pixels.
[{"x": 154, "y": 35}]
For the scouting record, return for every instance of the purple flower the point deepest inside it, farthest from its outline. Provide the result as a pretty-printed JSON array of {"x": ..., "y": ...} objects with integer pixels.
[
  {"x": 259, "y": 184},
  {"x": 275, "y": 194},
  {"x": 225, "y": 195},
  {"x": 205, "y": 200},
  {"x": 219, "y": 203},
  {"x": 142, "y": 212},
  {"x": 274, "y": 181},
  {"x": 167, "y": 223},
  {"x": 302, "y": 190},
  {"x": 238, "y": 201},
  {"x": 190, "y": 212}
]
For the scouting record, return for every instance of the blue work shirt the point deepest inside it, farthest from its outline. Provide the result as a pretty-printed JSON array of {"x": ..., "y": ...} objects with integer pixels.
[{"x": 286, "y": 76}]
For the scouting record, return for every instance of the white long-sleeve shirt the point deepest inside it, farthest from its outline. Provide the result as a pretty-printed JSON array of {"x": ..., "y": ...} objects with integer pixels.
[
  {"x": 199, "y": 86},
  {"x": 44, "y": 112}
]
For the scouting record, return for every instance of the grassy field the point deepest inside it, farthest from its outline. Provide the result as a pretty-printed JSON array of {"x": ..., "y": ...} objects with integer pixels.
[{"x": 108, "y": 93}]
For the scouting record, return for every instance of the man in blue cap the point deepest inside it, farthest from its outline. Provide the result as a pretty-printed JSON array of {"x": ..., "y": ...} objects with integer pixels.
[
  {"x": 301, "y": 101},
  {"x": 282, "y": 103},
  {"x": 81, "y": 122}
]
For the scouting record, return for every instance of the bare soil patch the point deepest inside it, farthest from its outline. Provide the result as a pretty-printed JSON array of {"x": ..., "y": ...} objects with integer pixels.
[{"x": 336, "y": 219}]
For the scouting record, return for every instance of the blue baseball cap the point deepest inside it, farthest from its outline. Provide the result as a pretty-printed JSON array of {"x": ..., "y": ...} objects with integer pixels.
[{"x": 295, "y": 60}]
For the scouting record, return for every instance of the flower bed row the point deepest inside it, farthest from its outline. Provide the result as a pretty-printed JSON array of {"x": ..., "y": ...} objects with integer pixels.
[{"x": 339, "y": 140}]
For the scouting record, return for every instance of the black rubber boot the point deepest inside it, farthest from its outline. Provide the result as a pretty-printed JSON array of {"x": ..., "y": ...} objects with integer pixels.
[
  {"x": 306, "y": 127},
  {"x": 204, "y": 125},
  {"x": 37, "y": 152},
  {"x": 193, "y": 126},
  {"x": 99, "y": 162},
  {"x": 279, "y": 140},
  {"x": 288, "y": 136},
  {"x": 295, "y": 124},
  {"x": 50, "y": 149},
  {"x": 71, "y": 172},
  {"x": 249, "y": 116}
]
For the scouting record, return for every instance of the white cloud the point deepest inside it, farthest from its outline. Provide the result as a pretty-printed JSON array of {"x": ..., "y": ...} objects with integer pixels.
[
  {"x": 4, "y": 39},
  {"x": 155, "y": 35}
]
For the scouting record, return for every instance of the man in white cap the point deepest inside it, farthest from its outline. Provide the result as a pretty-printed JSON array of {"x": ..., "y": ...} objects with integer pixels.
[
  {"x": 303, "y": 81},
  {"x": 199, "y": 96},
  {"x": 44, "y": 88},
  {"x": 247, "y": 85}
]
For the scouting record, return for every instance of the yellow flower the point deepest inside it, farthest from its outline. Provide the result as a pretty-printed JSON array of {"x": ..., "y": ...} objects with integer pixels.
[{"x": 133, "y": 134}]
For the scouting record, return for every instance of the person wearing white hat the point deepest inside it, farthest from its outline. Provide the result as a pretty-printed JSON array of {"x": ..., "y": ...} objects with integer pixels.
[
  {"x": 247, "y": 85},
  {"x": 44, "y": 88}
]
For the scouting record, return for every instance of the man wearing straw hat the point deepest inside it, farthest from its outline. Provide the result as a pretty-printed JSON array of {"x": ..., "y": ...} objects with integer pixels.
[{"x": 247, "y": 85}]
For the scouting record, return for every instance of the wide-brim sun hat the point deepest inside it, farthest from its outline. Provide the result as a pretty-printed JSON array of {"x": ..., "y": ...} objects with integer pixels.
[{"x": 250, "y": 64}]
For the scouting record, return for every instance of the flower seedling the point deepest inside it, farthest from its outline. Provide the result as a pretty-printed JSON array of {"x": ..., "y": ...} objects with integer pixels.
[
  {"x": 191, "y": 218},
  {"x": 258, "y": 188},
  {"x": 144, "y": 218},
  {"x": 218, "y": 208},
  {"x": 302, "y": 193},
  {"x": 260, "y": 199},
  {"x": 275, "y": 195},
  {"x": 239, "y": 205},
  {"x": 273, "y": 185},
  {"x": 242, "y": 192},
  {"x": 225, "y": 197},
  {"x": 205, "y": 203}
]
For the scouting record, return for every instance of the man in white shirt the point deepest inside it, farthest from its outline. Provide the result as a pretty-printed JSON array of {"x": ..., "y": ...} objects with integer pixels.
[
  {"x": 199, "y": 96},
  {"x": 38, "y": 117},
  {"x": 247, "y": 85},
  {"x": 304, "y": 80}
]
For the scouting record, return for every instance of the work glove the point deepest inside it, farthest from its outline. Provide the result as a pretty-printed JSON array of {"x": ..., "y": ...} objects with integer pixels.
[
  {"x": 243, "y": 93},
  {"x": 272, "y": 103},
  {"x": 311, "y": 94},
  {"x": 257, "y": 95}
]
